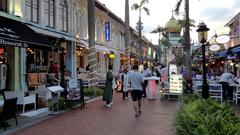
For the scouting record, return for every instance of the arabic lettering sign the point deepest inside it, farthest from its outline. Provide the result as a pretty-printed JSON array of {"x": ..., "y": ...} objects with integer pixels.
[
  {"x": 107, "y": 31},
  {"x": 176, "y": 83}
]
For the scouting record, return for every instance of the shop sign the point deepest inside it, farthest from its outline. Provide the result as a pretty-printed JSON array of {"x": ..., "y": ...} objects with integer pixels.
[
  {"x": 232, "y": 57},
  {"x": 176, "y": 83},
  {"x": 112, "y": 56},
  {"x": 107, "y": 31},
  {"x": 13, "y": 43},
  {"x": 9, "y": 33}
]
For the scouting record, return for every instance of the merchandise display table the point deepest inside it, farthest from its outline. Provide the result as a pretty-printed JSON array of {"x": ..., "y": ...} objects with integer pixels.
[{"x": 151, "y": 87}]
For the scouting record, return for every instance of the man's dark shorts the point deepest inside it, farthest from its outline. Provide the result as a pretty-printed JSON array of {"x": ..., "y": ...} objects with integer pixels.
[{"x": 136, "y": 95}]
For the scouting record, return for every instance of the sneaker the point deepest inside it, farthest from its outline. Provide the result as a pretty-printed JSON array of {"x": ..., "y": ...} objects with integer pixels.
[
  {"x": 136, "y": 115},
  {"x": 108, "y": 105},
  {"x": 111, "y": 103},
  {"x": 140, "y": 112}
]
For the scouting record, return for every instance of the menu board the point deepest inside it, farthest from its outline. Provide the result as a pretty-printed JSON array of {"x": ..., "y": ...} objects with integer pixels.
[{"x": 176, "y": 83}]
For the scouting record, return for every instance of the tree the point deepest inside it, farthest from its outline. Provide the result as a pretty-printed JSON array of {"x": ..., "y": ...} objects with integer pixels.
[
  {"x": 180, "y": 58},
  {"x": 162, "y": 43},
  {"x": 186, "y": 36},
  {"x": 140, "y": 7}
]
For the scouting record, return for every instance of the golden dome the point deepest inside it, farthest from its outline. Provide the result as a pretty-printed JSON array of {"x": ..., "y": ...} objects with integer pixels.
[{"x": 173, "y": 25}]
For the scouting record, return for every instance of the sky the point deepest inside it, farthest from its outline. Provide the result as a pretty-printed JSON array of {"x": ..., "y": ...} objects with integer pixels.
[{"x": 214, "y": 13}]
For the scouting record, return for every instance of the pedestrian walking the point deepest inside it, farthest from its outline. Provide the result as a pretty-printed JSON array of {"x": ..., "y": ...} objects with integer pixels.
[
  {"x": 108, "y": 91},
  {"x": 135, "y": 80},
  {"x": 145, "y": 73},
  {"x": 125, "y": 87}
]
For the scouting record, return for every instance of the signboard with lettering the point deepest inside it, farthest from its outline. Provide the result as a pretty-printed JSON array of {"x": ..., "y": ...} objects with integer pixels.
[
  {"x": 6, "y": 34},
  {"x": 16, "y": 34},
  {"x": 107, "y": 31},
  {"x": 176, "y": 83}
]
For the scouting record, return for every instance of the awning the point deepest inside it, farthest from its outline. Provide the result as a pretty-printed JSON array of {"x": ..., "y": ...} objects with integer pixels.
[
  {"x": 83, "y": 43},
  {"x": 103, "y": 48},
  {"x": 16, "y": 34},
  {"x": 236, "y": 49},
  {"x": 222, "y": 53},
  {"x": 52, "y": 33}
]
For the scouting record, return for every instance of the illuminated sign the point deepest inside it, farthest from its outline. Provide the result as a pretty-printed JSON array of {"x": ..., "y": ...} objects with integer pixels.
[
  {"x": 107, "y": 31},
  {"x": 176, "y": 83},
  {"x": 111, "y": 56}
]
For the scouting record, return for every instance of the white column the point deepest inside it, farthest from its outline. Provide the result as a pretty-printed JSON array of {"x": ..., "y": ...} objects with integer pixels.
[{"x": 23, "y": 69}]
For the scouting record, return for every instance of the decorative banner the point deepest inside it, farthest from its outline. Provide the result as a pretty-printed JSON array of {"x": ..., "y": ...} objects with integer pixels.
[
  {"x": 176, "y": 83},
  {"x": 107, "y": 31}
]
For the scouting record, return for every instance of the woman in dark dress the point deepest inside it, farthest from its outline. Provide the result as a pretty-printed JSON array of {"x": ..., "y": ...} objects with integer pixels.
[{"x": 108, "y": 91}]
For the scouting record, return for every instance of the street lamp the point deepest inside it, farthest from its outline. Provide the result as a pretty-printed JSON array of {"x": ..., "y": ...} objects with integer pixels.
[{"x": 202, "y": 37}]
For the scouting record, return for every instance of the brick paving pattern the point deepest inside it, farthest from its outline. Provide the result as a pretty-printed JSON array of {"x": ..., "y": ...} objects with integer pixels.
[{"x": 96, "y": 119}]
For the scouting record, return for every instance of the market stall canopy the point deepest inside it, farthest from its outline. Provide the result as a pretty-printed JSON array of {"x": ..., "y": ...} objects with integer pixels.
[{"x": 16, "y": 34}]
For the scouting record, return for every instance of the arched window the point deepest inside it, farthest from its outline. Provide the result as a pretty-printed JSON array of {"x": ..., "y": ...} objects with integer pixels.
[
  {"x": 63, "y": 16},
  {"x": 50, "y": 12},
  {"x": 32, "y": 13},
  {"x": 97, "y": 30},
  {"x": 81, "y": 25}
]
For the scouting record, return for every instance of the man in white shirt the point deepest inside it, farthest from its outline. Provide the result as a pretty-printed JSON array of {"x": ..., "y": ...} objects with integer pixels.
[{"x": 224, "y": 80}]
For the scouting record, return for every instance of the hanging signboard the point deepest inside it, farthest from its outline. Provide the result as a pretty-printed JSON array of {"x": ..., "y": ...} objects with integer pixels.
[
  {"x": 111, "y": 56},
  {"x": 107, "y": 31},
  {"x": 176, "y": 83}
]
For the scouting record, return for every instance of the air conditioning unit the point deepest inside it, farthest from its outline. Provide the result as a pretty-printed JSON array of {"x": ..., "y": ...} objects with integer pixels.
[{"x": 3, "y": 76}]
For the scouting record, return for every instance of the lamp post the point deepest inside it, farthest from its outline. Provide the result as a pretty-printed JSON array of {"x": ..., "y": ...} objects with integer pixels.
[{"x": 202, "y": 37}]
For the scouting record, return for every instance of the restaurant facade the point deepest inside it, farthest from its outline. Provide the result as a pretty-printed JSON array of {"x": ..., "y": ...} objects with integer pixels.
[{"x": 36, "y": 33}]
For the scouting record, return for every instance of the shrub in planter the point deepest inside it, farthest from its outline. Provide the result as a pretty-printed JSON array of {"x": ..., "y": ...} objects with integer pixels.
[
  {"x": 92, "y": 91},
  {"x": 60, "y": 104},
  {"x": 198, "y": 116}
]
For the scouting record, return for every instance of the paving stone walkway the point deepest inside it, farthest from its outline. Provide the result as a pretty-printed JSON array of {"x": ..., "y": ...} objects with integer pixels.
[{"x": 96, "y": 119}]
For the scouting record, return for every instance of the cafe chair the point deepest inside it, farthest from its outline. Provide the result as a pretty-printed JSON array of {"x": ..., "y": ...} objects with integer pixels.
[
  {"x": 216, "y": 92},
  {"x": 44, "y": 94},
  {"x": 22, "y": 99},
  {"x": 236, "y": 93},
  {"x": 8, "y": 112}
]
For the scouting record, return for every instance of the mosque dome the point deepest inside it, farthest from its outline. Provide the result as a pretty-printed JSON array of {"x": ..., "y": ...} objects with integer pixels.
[{"x": 173, "y": 25}]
